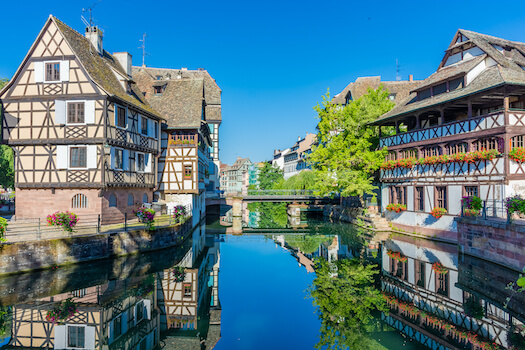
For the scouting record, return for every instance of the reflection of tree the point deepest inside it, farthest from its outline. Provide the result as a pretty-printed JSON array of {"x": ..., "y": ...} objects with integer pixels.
[
  {"x": 307, "y": 244},
  {"x": 345, "y": 296},
  {"x": 272, "y": 215}
]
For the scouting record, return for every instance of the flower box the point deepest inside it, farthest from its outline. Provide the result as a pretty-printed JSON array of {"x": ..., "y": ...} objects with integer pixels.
[
  {"x": 438, "y": 212},
  {"x": 396, "y": 207}
]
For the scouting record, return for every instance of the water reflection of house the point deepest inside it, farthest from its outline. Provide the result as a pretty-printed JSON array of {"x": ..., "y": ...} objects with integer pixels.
[
  {"x": 115, "y": 315},
  {"x": 431, "y": 307},
  {"x": 190, "y": 309}
]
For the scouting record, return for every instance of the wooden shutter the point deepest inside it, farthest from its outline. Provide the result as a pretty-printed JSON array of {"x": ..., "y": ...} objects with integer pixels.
[
  {"x": 60, "y": 112},
  {"x": 89, "y": 338},
  {"x": 60, "y": 337},
  {"x": 62, "y": 157},
  {"x": 112, "y": 155},
  {"x": 39, "y": 72},
  {"x": 125, "y": 159},
  {"x": 91, "y": 155},
  {"x": 147, "y": 161},
  {"x": 89, "y": 112},
  {"x": 64, "y": 70}
]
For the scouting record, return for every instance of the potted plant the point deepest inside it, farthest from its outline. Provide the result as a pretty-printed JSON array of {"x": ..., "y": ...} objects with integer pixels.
[
  {"x": 179, "y": 212},
  {"x": 396, "y": 207},
  {"x": 146, "y": 216},
  {"x": 62, "y": 312},
  {"x": 179, "y": 274},
  {"x": 471, "y": 205},
  {"x": 66, "y": 220},
  {"x": 438, "y": 212}
]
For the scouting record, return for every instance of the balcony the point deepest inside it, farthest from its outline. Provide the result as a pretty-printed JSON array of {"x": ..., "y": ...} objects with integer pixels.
[
  {"x": 183, "y": 140},
  {"x": 485, "y": 122}
]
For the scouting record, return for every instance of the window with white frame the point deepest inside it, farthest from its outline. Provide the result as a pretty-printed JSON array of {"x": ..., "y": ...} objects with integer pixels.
[
  {"x": 139, "y": 311},
  {"x": 75, "y": 113},
  {"x": 141, "y": 162},
  {"x": 52, "y": 71},
  {"x": 76, "y": 337},
  {"x": 78, "y": 157}
]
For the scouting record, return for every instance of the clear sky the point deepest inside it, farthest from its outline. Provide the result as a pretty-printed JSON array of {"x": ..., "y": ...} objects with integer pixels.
[{"x": 272, "y": 59}]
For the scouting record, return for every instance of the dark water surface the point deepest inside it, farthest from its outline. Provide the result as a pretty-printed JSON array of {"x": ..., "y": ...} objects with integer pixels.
[{"x": 252, "y": 291}]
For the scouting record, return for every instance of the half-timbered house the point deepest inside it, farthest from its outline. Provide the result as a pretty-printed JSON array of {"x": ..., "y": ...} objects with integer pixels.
[
  {"x": 84, "y": 137},
  {"x": 452, "y": 136},
  {"x": 190, "y": 103},
  {"x": 422, "y": 284},
  {"x": 119, "y": 314}
]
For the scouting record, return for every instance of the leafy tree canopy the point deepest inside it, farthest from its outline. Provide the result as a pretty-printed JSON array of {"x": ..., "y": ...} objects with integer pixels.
[
  {"x": 305, "y": 180},
  {"x": 345, "y": 157},
  {"x": 345, "y": 297},
  {"x": 7, "y": 171},
  {"x": 269, "y": 176}
]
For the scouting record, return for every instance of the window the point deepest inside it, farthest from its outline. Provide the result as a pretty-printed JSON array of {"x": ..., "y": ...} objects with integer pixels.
[
  {"x": 486, "y": 144},
  {"x": 121, "y": 117},
  {"x": 156, "y": 125},
  {"x": 398, "y": 195},
  {"x": 441, "y": 197},
  {"x": 158, "y": 89},
  {"x": 145, "y": 198},
  {"x": 144, "y": 126},
  {"x": 442, "y": 284},
  {"x": 516, "y": 141},
  {"x": 420, "y": 199},
  {"x": 420, "y": 273},
  {"x": 140, "y": 162},
  {"x": 187, "y": 171},
  {"x": 455, "y": 84},
  {"x": 75, "y": 112},
  {"x": 130, "y": 199},
  {"x": 402, "y": 270},
  {"x": 117, "y": 326},
  {"x": 78, "y": 157},
  {"x": 53, "y": 71},
  {"x": 140, "y": 311},
  {"x": 119, "y": 161},
  {"x": 470, "y": 191},
  {"x": 75, "y": 337},
  {"x": 112, "y": 200},
  {"x": 79, "y": 293},
  {"x": 132, "y": 160},
  {"x": 432, "y": 151},
  {"x": 439, "y": 89},
  {"x": 187, "y": 289},
  {"x": 392, "y": 97},
  {"x": 79, "y": 201},
  {"x": 391, "y": 156}
]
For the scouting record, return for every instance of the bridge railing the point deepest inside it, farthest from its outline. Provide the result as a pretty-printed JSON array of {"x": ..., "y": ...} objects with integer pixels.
[{"x": 280, "y": 193}]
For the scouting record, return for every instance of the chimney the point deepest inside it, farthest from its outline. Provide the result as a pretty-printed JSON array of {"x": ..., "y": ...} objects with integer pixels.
[
  {"x": 124, "y": 58},
  {"x": 239, "y": 158},
  {"x": 94, "y": 35},
  {"x": 410, "y": 77},
  {"x": 299, "y": 138}
]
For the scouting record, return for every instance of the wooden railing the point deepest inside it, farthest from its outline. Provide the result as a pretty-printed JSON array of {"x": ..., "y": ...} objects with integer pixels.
[
  {"x": 484, "y": 122},
  {"x": 127, "y": 137},
  {"x": 182, "y": 140},
  {"x": 121, "y": 177}
]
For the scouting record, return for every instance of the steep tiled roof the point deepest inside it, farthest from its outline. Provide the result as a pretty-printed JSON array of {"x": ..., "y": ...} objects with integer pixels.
[
  {"x": 147, "y": 77},
  {"x": 362, "y": 84},
  {"x": 507, "y": 70},
  {"x": 100, "y": 67}
]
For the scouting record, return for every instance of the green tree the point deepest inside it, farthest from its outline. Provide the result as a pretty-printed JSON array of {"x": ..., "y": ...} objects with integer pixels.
[
  {"x": 7, "y": 171},
  {"x": 305, "y": 180},
  {"x": 271, "y": 215},
  {"x": 345, "y": 297},
  {"x": 269, "y": 176},
  {"x": 345, "y": 157}
]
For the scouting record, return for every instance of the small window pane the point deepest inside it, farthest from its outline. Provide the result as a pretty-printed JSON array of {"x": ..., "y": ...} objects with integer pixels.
[
  {"x": 130, "y": 200},
  {"x": 112, "y": 200},
  {"x": 78, "y": 157}
]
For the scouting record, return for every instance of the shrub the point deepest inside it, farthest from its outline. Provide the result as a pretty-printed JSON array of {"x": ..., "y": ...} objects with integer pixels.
[
  {"x": 3, "y": 228},
  {"x": 438, "y": 212},
  {"x": 66, "y": 220},
  {"x": 517, "y": 154}
]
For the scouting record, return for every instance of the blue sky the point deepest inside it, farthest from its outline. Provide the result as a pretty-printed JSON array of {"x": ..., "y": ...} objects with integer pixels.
[{"x": 274, "y": 59}]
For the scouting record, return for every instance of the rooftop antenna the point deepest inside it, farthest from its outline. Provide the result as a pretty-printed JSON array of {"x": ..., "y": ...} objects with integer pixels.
[
  {"x": 90, "y": 9},
  {"x": 398, "y": 75},
  {"x": 143, "y": 47}
]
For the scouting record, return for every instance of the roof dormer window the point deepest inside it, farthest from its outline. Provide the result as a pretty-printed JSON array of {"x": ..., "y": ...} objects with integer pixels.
[{"x": 158, "y": 89}]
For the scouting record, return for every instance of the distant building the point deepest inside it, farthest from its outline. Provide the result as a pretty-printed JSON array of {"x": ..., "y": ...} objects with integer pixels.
[
  {"x": 293, "y": 160},
  {"x": 398, "y": 90},
  {"x": 234, "y": 175}
]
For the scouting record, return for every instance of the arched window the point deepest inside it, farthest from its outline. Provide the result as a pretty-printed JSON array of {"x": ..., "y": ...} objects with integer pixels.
[
  {"x": 79, "y": 201},
  {"x": 145, "y": 198},
  {"x": 112, "y": 200},
  {"x": 130, "y": 199}
]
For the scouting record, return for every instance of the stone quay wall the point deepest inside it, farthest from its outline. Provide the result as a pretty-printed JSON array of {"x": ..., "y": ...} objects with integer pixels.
[
  {"x": 28, "y": 256},
  {"x": 495, "y": 241}
]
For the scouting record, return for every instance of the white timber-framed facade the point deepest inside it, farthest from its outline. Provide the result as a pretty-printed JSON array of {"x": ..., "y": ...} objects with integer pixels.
[
  {"x": 474, "y": 102},
  {"x": 84, "y": 137}
]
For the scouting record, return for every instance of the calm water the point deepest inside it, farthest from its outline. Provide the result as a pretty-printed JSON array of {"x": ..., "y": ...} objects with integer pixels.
[{"x": 259, "y": 291}]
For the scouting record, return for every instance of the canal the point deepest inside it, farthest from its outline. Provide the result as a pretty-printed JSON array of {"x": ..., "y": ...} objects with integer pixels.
[{"x": 282, "y": 284}]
